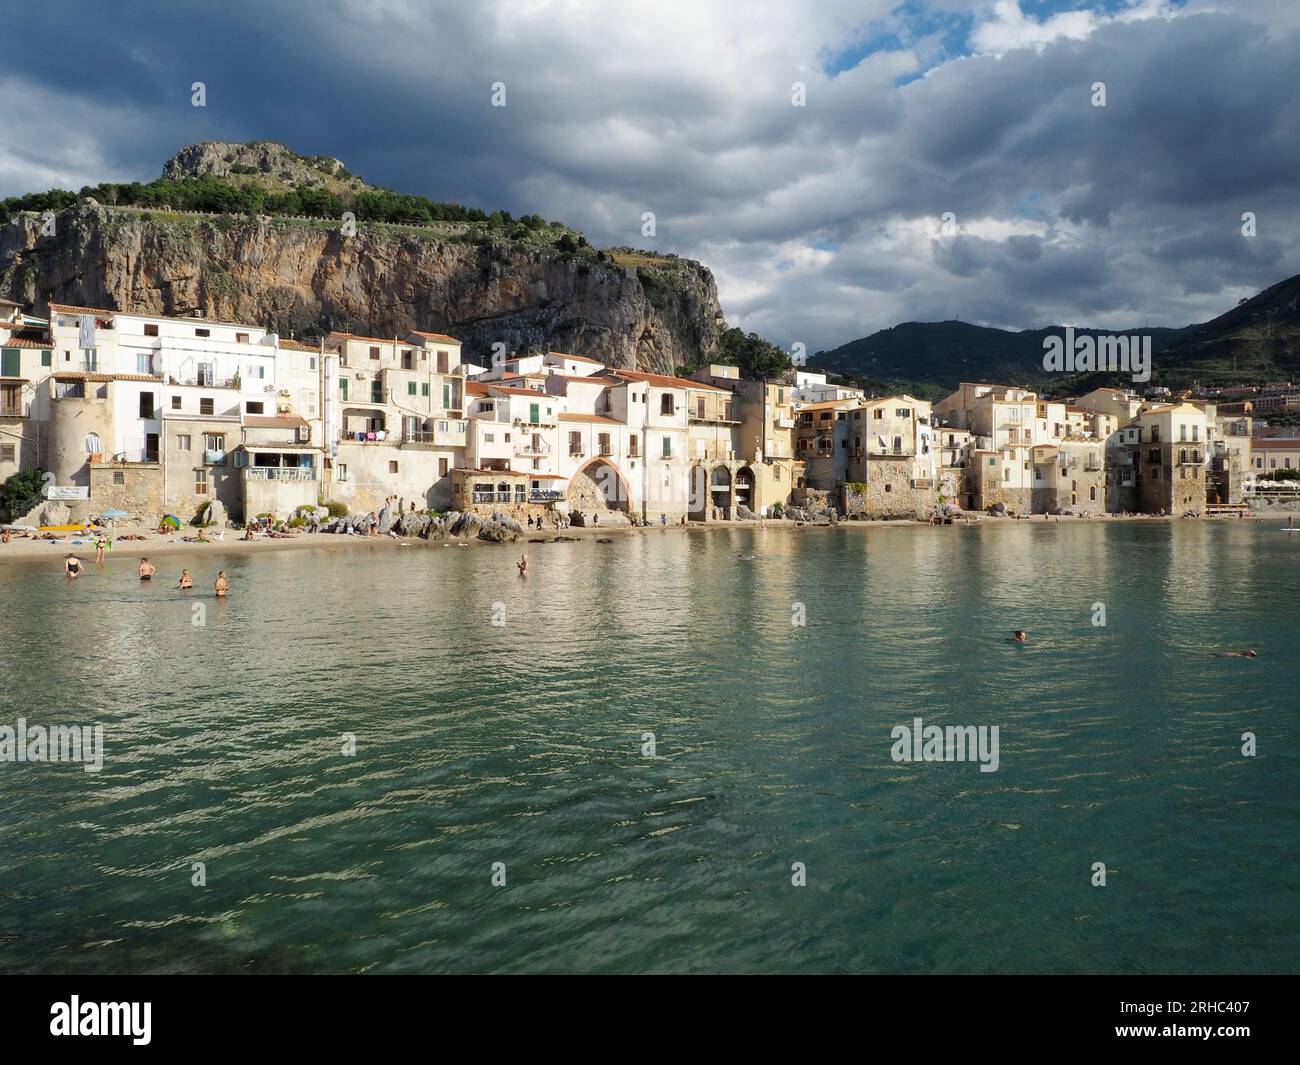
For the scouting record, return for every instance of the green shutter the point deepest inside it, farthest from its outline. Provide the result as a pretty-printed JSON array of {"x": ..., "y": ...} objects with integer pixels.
[{"x": 11, "y": 363}]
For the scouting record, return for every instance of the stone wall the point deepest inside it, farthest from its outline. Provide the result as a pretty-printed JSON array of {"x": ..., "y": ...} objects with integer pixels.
[
  {"x": 887, "y": 492},
  {"x": 140, "y": 494}
]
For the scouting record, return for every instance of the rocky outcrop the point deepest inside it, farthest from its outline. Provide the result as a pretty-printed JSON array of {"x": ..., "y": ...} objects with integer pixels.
[{"x": 297, "y": 275}]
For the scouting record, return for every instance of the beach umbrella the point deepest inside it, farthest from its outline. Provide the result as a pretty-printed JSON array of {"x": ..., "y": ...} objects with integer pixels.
[
  {"x": 172, "y": 520},
  {"x": 113, "y": 514}
]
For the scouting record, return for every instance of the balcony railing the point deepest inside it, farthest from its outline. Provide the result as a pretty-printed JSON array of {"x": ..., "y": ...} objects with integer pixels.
[
  {"x": 13, "y": 410},
  {"x": 541, "y": 448},
  {"x": 281, "y": 473},
  {"x": 492, "y": 497},
  {"x": 376, "y": 436}
]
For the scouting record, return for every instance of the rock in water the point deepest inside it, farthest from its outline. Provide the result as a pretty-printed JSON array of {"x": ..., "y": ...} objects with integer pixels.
[
  {"x": 500, "y": 517},
  {"x": 497, "y": 534}
]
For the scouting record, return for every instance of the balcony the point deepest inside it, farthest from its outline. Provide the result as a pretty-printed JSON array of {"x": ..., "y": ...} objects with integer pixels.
[
  {"x": 533, "y": 450},
  {"x": 540, "y": 495},
  {"x": 492, "y": 497},
  {"x": 375, "y": 436},
  {"x": 206, "y": 381},
  {"x": 13, "y": 410},
  {"x": 280, "y": 473}
]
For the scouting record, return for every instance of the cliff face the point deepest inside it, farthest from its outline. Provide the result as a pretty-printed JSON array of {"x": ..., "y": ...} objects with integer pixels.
[{"x": 294, "y": 274}]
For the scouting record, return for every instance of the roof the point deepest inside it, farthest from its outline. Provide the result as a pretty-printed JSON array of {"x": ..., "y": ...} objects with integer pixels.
[
  {"x": 491, "y": 473},
  {"x": 588, "y": 379},
  {"x": 661, "y": 381},
  {"x": 827, "y": 404},
  {"x": 1285, "y": 443},
  {"x": 435, "y": 336},
  {"x": 567, "y": 417},
  {"x": 137, "y": 377},
  {"x": 24, "y": 342},
  {"x": 509, "y": 390},
  {"x": 260, "y": 421},
  {"x": 369, "y": 340},
  {"x": 70, "y": 308},
  {"x": 298, "y": 345},
  {"x": 575, "y": 358},
  {"x": 78, "y": 375},
  {"x": 546, "y": 476}
]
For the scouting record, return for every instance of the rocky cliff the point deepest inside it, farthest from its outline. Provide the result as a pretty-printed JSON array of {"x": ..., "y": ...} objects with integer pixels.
[{"x": 300, "y": 275}]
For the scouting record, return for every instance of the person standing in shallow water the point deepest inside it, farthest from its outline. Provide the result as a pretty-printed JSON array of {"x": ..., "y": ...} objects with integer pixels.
[
  {"x": 72, "y": 566},
  {"x": 186, "y": 580},
  {"x": 147, "y": 569},
  {"x": 523, "y": 565},
  {"x": 222, "y": 585}
]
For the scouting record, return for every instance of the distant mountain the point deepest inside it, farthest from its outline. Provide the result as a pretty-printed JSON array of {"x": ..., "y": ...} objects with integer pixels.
[
  {"x": 946, "y": 353},
  {"x": 1258, "y": 341}
]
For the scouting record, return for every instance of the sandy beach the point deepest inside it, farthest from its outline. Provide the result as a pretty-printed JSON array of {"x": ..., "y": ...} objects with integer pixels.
[{"x": 25, "y": 551}]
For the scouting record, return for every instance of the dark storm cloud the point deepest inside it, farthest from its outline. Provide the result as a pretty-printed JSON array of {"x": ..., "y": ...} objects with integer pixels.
[{"x": 821, "y": 222}]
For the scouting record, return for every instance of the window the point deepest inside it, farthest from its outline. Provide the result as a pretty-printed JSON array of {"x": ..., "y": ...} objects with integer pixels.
[
  {"x": 1182, "y": 433},
  {"x": 254, "y": 406},
  {"x": 631, "y": 446},
  {"x": 666, "y": 405},
  {"x": 699, "y": 407},
  {"x": 341, "y": 474},
  {"x": 142, "y": 363},
  {"x": 184, "y": 442},
  {"x": 253, "y": 371},
  {"x": 442, "y": 467},
  {"x": 119, "y": 478},
  {"x": 215, "y": 443},
  {"x": 392, "y": 467},
  {"x": 151, "y": 330},
  {"x": 410, "y": 388},
  {"x": 93, "y": 444},
  {"x": 442, "y": 362},
  {"x": 374, "y": 352},
  {"x": 201, "y": 481},
  {"x": 424, "y": 390},
  {"x": 575, "y": 443},
  {"x": 205, "y": 406},
  {"x": 408, "y": 363},
  {"x": 146, "y": 405},
  {"x": 489, "y": 438},
  {"x": 1196, "y": 433},
  {"x": 668, "y": 447},
  {"x": 446, "y": 396},
  {"x": 176, "y": 402},
  {"x": 241, "y": 338},
  {"x": 376, "y": 391},
  {"x": 603, "y": 442},
  {"x": 47, "y": 357},
  {"x": 902, "y": 412},
  {"x": 878, "y": 413},
  {"x": 311, "y": 363},
  {"x": 203, "y": 332},
  {"x": 6, "y": 452},
  {"x": 343, "y": 389}
]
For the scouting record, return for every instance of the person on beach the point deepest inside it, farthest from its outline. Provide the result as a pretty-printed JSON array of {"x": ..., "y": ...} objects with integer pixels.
[
  {"x": 523, "y": 565},
  {"x": 187, "y": 581},
  {"x": 1021, "y": 636},
  {"x": 147, "y": 569},
  {"x": 248, "y": 532},
  {"x": 72, "y": 566},
  {"x": 595, "y": 520},
  {"x": 101, "y": 544},
  {"x": 222, "y": 585}
]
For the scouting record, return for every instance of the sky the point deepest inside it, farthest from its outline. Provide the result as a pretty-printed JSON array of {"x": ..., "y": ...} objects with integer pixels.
[{"x": 841, "y": 166}]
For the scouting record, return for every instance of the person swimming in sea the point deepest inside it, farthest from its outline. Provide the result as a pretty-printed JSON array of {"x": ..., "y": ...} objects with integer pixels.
[
  {"x": 72, "y": 566},
  {"x": 523, "y": 565},
  {"x": 147, "y": 569},
  {"x": 1250, "y": 652},
  {"x": 1020, "y": 636},
  {"x": 747, "y": 558},
  {"x": 222, "y": 585},
  {"x": 186, "y": 580}
]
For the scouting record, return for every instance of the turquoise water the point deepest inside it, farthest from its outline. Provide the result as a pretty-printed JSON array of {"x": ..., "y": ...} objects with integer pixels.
[{"x": 521, "y": 744}]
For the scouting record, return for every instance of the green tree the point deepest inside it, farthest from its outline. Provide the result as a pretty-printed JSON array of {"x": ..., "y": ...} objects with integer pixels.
[{"x": 20, "y": 492}]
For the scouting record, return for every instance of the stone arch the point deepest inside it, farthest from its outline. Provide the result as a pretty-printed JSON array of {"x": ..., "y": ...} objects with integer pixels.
[
  {"x": 598, "y": 485},
  {"x": 746, "y": 488}
]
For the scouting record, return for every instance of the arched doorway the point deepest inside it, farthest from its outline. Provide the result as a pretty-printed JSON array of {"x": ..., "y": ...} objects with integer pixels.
[
  {"x": 745, "y": 487},
  {"x": 720, "y": 491},
  {"x": 598, "y": 487}
]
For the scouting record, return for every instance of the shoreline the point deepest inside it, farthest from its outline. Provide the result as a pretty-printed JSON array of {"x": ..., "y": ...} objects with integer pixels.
[{"x": 25, "y": 551}]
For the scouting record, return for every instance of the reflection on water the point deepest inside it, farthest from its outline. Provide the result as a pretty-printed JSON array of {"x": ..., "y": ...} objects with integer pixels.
[{"x": 521, "y": 744}]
